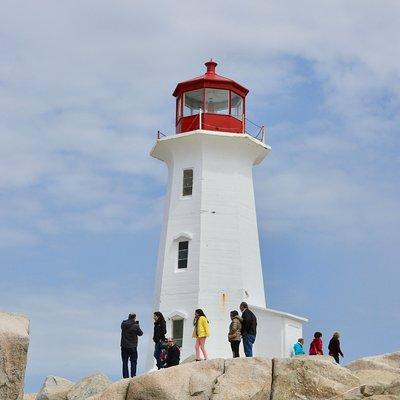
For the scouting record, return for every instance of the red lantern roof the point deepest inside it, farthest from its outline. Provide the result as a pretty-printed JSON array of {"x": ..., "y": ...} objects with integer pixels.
[{"x": 211, "y": 80}]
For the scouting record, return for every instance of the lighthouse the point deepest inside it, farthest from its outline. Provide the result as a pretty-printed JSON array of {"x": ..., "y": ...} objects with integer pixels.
[{"x": 209, "y": 254}]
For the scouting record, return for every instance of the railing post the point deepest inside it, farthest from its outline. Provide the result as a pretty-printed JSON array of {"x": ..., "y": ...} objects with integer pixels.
[
  {"x": 200, "y": 118},
  {"x": 158, "y": 134}
]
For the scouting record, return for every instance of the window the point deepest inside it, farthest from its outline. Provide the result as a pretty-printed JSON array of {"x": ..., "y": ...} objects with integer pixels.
[
  {"x": 177, "y": 331},
  {"x": 217, "y": 101},
  {"x": 187, "y": 187},
  {"x": 236, "y": 105},
  {"x": 183, "y": 250},
  {"x": 179, "y": 107},
  {"x": 193, "y": 102}
]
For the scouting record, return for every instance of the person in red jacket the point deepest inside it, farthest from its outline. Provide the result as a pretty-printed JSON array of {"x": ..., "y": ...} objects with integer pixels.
[{"x": 316, "y": 345}]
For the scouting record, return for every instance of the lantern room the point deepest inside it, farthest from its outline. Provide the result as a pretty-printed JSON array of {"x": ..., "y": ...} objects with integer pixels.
[{"x": 211, "y": 102}]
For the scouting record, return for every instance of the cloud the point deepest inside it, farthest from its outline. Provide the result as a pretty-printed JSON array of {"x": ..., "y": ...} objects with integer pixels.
[{"x": 84, "y": 93}]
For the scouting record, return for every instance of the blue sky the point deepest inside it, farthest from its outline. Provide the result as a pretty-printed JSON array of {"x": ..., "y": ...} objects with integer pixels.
[{"x": 84, "y": 87}]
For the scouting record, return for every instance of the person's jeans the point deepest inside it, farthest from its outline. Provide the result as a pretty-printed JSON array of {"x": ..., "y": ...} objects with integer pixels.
[
  {"x": 132, "y": 355},
  {"x": 248, "y": 341},
  {"x": 235, "y": 348},
  {"x": 157, "y": 354}
]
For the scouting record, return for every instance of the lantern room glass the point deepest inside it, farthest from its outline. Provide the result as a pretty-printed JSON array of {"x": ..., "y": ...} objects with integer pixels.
[
  {"x": 236, "y": 105},
  {"x": 193, "y": 102},
  {"x": 217, "y": 101}
]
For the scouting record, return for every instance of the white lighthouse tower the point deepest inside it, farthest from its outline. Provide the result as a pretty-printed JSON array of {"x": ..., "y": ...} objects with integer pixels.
[{"x": 209, "y": 254}]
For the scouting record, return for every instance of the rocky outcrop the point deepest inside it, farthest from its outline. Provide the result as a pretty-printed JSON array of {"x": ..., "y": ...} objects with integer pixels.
[
  {"x": 311, "y": 378},
  {"x": 383, "y": 369},
  {"x": 55, "y": 388},
  {"x": 299, "y": 378},
  {"x": 14, "y": 342},
  {"x": 244, "y": 378},
  {"x": 187, "y": 381},
  {"x": 88, "y": 386},
  {"x": 116, "y": 391}
]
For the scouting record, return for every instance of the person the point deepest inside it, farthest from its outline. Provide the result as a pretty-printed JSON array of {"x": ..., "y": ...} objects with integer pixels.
[
  {"x": 173, "y": 354},
  {"x": 160, "y": 329},
  {"x": 298, "y": 349},
  {"x": 249, "y": 329},
  {"x": 235, "y": 334},
  {"x": 316, "y": 347},
  {"x": 334, "y": 347},
  {"x": 201, "y": 332},
  {"x": 130, "y": 330}
]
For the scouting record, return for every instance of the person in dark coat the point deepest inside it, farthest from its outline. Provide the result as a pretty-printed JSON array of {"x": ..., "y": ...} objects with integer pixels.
[
  {"x": 173, "y": 354},
  {"x": 160, "y": 330},
  {"x": 316, "y": 346},
  {"x": 334, "y": 347},
  {"x": 130, "y": 330},
  {"x": 249, "y": 329}
]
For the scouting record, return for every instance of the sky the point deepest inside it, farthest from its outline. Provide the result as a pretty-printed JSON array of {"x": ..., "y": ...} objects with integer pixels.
[{"x": 84, "y": 87}]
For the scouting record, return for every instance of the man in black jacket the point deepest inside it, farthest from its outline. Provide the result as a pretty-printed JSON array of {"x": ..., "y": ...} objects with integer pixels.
[
  {"x": 173, "y": 354},
  {"x": 130, "y": 330},
  {"x": 249, "y": 329}
]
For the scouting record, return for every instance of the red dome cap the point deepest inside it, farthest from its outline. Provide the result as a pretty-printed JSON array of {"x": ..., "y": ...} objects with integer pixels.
[{"x": 210, "y": 80}]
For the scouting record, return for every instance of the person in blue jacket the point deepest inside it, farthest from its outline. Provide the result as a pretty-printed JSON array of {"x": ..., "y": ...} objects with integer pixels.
[{"x": 298, "y": 348}]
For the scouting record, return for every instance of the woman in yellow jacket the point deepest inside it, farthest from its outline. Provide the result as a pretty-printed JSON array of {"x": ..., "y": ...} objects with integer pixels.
[{"x": 201, "y": 332}]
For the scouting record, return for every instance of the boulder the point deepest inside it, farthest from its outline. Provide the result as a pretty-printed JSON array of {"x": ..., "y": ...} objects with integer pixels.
[
  {"x": 54, "y": 388},
  {"x": 244, "y": 378},
  {"x": 393, "y": 388},
  {"x": 382, "y": 369},
  {"x": 88, "y": 386},
  {"x": 30, "y": 396},
  {"x": 187, "y": 381},
  {"x": 116, "y": 391},
  {"x": 310, "y": 378},
  {"x": 370, "y": 390},
  {"x": 14, "y": 343}
]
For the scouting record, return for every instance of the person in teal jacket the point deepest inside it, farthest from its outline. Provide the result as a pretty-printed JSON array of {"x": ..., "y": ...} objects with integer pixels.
[{"x": 298, "y": 348}]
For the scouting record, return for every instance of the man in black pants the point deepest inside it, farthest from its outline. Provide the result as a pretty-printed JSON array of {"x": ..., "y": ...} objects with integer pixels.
[{"x": 130, "y": 330}]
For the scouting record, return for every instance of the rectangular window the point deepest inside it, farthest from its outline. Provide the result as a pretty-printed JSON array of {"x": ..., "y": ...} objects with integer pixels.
[
  {"x": 193, "y": 102},
  {"x": 187, "y": 188},
  {"x": 177, "y": 331},
  {"x": 183, "y": 251},
  {"x": 217, "y": 101},
  {"x": 236, "y": 105},
  {"x": 179, "y": 108}
]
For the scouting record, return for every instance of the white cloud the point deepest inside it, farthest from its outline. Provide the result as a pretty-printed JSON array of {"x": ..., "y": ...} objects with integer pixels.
[{"x": 85, "y": 87}]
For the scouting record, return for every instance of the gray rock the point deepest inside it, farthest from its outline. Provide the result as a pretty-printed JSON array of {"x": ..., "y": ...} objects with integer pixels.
[
  {"x": 116, "y": 391},
  {"x": 188, "y": 381},
  {"x": 370, "y": 390},
  {"x": 89, "y": 386},
  {"x": 54, "y": 388},
  {"x": 14, "y": 343},
  {"x": 310, "y": 378},
  {"x": 382, "y": 369},
  {"x": 244, "y": 378}
]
